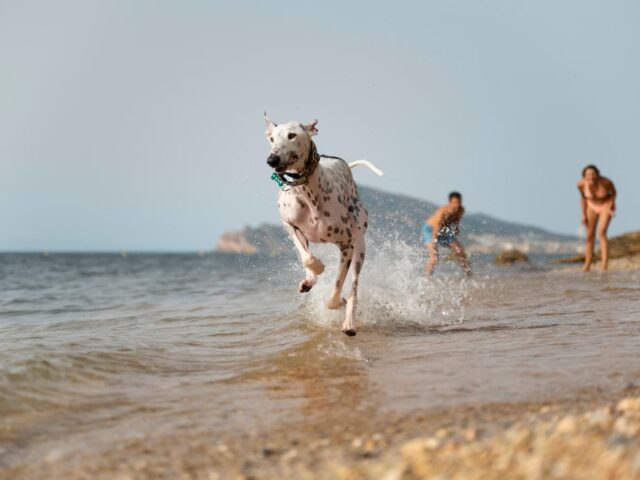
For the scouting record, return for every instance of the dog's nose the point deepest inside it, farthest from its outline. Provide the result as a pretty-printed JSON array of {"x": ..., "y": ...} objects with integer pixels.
[{"x": 273, "y": 160}]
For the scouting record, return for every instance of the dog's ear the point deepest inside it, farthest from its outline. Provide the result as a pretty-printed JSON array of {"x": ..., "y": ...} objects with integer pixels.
[
  {"x": 311, "y": 127},
  {"x": 270, "y": 125}
]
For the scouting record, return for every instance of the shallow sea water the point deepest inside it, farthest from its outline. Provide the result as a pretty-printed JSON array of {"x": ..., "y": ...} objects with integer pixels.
[{"x": 96, "y": 348}]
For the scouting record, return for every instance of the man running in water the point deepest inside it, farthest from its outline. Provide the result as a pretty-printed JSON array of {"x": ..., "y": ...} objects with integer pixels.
[{"x": 441, "y": 230}]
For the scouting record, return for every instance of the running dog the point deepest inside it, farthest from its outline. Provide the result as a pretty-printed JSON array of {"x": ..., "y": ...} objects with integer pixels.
[{"x": 319, "y": 203}]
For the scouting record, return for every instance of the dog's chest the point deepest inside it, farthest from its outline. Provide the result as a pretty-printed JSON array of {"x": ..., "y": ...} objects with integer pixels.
[
  {"x": 318, "y": 209},
  {"x": 299, "y": 209}
]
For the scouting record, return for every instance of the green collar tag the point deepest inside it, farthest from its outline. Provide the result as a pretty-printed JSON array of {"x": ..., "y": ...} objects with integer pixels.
[{"x": 276, "y": 178}]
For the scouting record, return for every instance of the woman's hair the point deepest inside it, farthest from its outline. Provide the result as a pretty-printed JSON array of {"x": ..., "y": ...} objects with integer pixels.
[{"x": 592, "y": 167}]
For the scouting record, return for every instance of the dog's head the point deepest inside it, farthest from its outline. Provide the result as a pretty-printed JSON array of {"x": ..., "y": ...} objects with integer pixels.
[{"x": 290, "y": 144}]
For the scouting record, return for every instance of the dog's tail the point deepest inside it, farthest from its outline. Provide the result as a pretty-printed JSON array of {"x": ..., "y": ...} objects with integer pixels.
[{"x": 367, "y": 163}]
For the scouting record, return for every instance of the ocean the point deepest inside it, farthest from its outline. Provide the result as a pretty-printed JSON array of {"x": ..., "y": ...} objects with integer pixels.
[{"x": 98, "y": 350}]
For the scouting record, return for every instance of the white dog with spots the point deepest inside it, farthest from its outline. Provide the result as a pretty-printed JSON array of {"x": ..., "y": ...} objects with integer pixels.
[{"x": 319, "y": 203}]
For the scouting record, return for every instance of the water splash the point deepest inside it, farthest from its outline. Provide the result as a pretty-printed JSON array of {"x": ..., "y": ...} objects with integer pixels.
[{"x": 394, "y": 293}]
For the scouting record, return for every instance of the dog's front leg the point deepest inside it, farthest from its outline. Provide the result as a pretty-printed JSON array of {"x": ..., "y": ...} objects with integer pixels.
[{"x": 313, "y": 266}]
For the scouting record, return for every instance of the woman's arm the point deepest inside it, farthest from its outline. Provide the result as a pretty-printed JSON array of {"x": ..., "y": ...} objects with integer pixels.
[
  {"x": 583, "y": 203},
  {"x": 614, "y": 193}
]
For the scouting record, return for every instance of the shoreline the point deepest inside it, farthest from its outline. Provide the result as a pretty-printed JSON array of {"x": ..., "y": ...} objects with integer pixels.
[
  {"x": 593, "y": 435},
  {"x": 631, "y": 262}
]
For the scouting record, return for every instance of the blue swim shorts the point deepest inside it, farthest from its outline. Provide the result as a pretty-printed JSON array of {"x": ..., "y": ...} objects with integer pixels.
[{"x": 445, "y": 236}]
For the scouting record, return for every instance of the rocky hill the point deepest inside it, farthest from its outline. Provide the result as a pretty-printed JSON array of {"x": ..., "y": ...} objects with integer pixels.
[{"x": 400, "y": 216}]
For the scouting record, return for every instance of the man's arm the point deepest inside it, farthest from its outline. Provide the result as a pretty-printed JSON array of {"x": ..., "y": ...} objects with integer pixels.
[
  {"x": 435, "y": 220},
  {"x": 455, "y": 226}
]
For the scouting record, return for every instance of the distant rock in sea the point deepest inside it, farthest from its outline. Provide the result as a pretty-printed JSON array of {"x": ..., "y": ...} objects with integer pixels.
[
  {"x": 509, "y": 257},
  {"x": 396, "y": 216}
]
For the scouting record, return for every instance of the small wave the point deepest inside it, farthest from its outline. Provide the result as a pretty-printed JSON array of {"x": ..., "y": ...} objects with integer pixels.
[
  {"x": 338, "y": 348},
  {"x": 621, "y": 290},
  {"x": 52, "y": 378}
]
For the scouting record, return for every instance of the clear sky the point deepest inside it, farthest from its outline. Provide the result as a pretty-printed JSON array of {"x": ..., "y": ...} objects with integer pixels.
[{"x": 138, "y": 125}]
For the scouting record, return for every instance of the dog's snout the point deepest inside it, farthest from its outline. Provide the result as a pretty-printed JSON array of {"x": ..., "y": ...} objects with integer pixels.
[{"x": 273, "y": 160}]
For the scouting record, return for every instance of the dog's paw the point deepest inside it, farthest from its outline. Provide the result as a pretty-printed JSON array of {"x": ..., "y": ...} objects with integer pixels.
[
  {"x": 305, "y": 286},
  {"x": 332, "y": 305},
  {"x": 315, "y": 265},
  {"x": 349, "y": 332}
]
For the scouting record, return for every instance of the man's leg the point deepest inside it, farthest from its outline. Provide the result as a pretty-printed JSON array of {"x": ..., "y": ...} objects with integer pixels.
[
  {"x": 432, "y": 248},
  {"x": 457, "y": 248}
]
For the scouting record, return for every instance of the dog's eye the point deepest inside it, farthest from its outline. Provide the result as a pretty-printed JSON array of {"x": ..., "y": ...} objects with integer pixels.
[
  {"x": 271, "y": 138},
  {"x": 292, "y": 136}
]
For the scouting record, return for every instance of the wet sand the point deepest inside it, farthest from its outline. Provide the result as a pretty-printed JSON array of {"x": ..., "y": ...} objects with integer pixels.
[{"x": 593, "y": 436}]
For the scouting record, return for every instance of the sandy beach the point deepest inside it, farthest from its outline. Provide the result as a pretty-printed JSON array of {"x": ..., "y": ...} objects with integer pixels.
[{"x": 590, "y": 437}]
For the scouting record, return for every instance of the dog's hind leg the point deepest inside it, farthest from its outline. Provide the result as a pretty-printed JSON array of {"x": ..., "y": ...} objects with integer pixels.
[
  {"x": 313, "y": 266},
  {"x": 346, "y": 254},
  {"x": 349, "y": 325}
]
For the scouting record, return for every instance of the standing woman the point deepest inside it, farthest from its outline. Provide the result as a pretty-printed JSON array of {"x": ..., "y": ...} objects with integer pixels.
[{"x": 598, "y": 201}]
